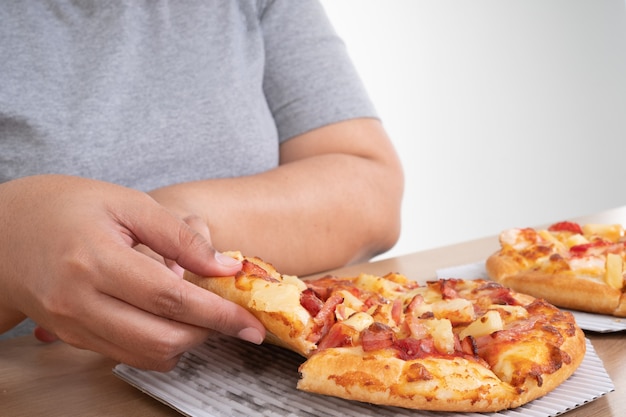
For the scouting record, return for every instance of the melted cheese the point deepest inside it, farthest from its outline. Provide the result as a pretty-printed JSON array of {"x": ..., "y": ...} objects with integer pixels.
[
  {"x": 511, "y": 313},
  {"x": 359, "y": 321},
  {"x": 278, "y": 297},
  {"x": 514, "y": 238},
  {"x": 588, "y": 265},
  {"x": 552, "y": 239},
  {"x": 379, "y": 285},
  {"x": 293, "y": 280},
  {"x": 488, "y": 323}
]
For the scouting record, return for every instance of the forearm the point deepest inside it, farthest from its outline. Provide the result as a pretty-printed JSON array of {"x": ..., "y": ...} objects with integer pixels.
[
  {"x": 335, "y": 199},
  {"x": 306, "y": 216}
]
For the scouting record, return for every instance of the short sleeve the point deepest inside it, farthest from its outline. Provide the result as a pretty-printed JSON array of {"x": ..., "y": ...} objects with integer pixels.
[{"x": 309, "y": 80}]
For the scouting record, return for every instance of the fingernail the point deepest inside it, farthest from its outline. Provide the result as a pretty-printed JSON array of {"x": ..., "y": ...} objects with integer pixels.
[
  {"x": 250, "y": 334},
  {"x": 225, "y": 259}
]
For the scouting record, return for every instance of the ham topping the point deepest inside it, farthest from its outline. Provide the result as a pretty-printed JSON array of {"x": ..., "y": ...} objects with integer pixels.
[
  {"x": 325, "y": 318},
  {"x": 311, "y": 302},
  {"x": 377, "y": 336},
  {"x": 250, "y": 268},
  {"x": 566, "y": 227}
]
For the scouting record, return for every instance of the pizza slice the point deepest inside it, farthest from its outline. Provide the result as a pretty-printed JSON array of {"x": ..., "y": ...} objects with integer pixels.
[
  {"x": 449, "y": 345},
  {"x": 574, "y": 266}
]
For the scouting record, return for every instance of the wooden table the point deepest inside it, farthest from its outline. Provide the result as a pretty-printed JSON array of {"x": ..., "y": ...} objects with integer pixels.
[{"x": 58, "y": 380}]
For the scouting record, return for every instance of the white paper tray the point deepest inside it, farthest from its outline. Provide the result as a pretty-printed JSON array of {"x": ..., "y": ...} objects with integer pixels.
[
  {"x": 587, "y": 321},
  {"x": 228, "y": 377}
]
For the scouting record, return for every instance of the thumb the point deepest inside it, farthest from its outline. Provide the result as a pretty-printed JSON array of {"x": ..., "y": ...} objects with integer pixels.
[
  {"x": 188, "y": 242},
  {"x": 201, "y": 227}
]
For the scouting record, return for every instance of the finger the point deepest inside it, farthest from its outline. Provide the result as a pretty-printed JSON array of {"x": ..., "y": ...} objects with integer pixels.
[
  {"x": 44, "y": 336},
  {"x": 172, "y": 265},
  {"x": 174, "y": 239},
  {"x": 201, "y": 227},
  {"x": 133, "y": 336},
  {"x": 123, "y": 332},
  {"x": 141, "y": 282}
]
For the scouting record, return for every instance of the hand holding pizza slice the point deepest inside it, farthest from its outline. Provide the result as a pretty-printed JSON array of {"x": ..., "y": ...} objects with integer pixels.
[{"x": 450, "y": 345}]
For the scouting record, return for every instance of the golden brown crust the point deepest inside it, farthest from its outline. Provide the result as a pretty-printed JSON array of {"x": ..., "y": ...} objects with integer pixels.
[
  {"x": 562, "y": 289},
  {"x": 348, "y": 373},
  {"x": 284, "y": 328},
  {"x": 620, "y": 311},
  {"x": 439, "y": 384}
]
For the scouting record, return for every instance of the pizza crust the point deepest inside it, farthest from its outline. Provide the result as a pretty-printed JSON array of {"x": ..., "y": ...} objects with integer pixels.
[
  {"x": 620, "y": 311},
  {"x": 456, "y": 384},
  {"x": 348, "y": 373},
  {"x": 286, "y": 328},
  {"x": 561, "y": 289}
]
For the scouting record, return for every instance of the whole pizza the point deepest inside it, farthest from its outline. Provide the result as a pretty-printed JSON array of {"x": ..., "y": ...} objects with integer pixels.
[
  {"x": 448, "y": 345},
  {"x": 574, "y": 266}
]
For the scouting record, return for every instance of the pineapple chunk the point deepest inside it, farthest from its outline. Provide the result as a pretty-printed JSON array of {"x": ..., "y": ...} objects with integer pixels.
[
  {"x": 490, "y": 322},
  {"x": 612, "y": 232},
  {"x": 550, "y": 238},
  {"x": 351, "y": 301},
  {"x": 281, "y": 297},
  {"x": 294, "y": 280},
  {"x": 614, "y": 271},
  {"x": 457, "y": 310},
  {"x": 575, "y": 240},
  {"x": 509, "y": 312},
  {"x": 441, "y": 331},
  {"x": 275, "y": 297},
  {"x": 359, "y": 321}
]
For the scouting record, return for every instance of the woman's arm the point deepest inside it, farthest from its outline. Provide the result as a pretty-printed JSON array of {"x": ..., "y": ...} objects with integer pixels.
[{"x": 335, "y": 199}]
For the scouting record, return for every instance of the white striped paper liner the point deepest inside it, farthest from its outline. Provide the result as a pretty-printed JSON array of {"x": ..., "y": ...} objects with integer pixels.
[
  {"x": 228, "y": 377},
  {"x": 599, "y": 323}
]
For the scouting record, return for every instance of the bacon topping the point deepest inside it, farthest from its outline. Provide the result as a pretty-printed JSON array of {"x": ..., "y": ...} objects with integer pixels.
[
  {"x": 410, "y": 348},
  {"x": 310, "y": 301},
  {"x": 325, "y": 318},
  {"x": 448, "y": 290},
  {"x": 566, "y": 227},
  {"x": 339, "y": 335},
  {"x": 417, "y": 301},
  {"x": 468, "y": 346},
  {"x": 502, "y": 296},
  {"x": 250, "y": 268},
  {"x": 396, "y": 310},
  {"x": 377, "y": 336},
  {"x": 597, "y": 247},
  {"x": 324, "y": 287}
]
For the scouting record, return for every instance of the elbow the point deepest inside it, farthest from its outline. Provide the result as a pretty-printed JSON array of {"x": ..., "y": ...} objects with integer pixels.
[
  {"x": 388, "y": 232},
  {"x": 382, "y": 228}
]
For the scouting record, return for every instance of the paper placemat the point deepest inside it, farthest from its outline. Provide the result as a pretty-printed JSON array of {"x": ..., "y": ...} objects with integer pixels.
[
  {"x": 600, "y": 323},
  {"x": 228, "y": 377}
]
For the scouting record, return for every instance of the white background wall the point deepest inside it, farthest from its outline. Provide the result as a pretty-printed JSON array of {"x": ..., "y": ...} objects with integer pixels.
[{"x": 505, "y": 113}]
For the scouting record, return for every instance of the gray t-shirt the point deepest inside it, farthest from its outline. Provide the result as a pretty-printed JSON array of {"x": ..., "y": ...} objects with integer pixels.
[{"x": 147, "y": 94}]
